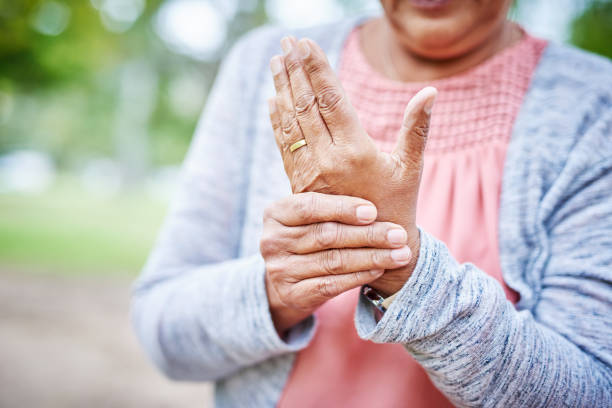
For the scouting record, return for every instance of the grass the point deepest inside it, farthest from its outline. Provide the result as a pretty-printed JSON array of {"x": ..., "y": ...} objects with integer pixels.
[{"x": 67, "y": 231}]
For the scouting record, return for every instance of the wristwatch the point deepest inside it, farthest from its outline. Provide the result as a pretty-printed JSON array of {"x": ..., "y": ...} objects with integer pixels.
[{"x": 380, "y": 303}]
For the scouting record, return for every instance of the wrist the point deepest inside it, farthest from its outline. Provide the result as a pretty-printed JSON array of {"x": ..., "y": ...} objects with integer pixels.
[
  {"x": 285, "y": 318},
  {"x": 394, "y": 279}
]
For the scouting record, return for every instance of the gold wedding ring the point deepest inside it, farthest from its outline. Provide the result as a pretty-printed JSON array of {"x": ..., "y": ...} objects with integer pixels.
[{"x": 297, "y": 145}]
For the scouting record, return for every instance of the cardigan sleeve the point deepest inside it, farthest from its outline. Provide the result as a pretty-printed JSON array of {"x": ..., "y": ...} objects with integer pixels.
[
  {"x": 477, "y": 348},
  {"x": 199, "y": 309}
]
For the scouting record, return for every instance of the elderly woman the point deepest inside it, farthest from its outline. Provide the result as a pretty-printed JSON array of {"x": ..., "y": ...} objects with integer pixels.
[{"x": 495, "y": 290}]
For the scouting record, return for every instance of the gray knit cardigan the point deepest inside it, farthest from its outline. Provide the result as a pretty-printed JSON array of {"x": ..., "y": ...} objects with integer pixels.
[{"x": 200, "y": 307}]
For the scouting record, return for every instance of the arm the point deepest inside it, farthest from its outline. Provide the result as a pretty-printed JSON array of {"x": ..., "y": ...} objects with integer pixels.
[
  {"x": 200, "y": 311},
  {"x": 453, "y": 318},
  {"x": 478, "y": 349}
]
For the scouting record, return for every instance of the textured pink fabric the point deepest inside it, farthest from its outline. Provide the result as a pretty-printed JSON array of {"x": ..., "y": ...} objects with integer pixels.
[{"x": 458, "y": 203}]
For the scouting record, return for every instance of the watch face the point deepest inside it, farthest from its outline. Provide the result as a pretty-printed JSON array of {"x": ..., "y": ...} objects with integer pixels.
[
  {"x": 372, "y": 295},
  {"x": 375, "y": 299}
]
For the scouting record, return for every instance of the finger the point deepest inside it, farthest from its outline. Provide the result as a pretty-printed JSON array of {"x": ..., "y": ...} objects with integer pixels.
[
  {"x": 279, "y": 75},
  {"x": 287, "y": 44},
  {"x": 347, "y": 260},
  {"x": 334, "y": 106},
  {"x": 276, "y": 127},
  {"x": 290, "y": 129},
  {"x": 415, "y": 128},
  {"x": 326, "y": 287},
  {"x": 275, "y": 122},
  {"x": 327, "y": 235},
  {"x": 309, "y": 208},
  {"x": 306, "y": 108}
]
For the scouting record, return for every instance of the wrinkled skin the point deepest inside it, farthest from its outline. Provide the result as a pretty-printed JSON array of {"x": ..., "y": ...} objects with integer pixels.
[
  {"x": 316, "y": 246},
  {"x": 411, "y": 42},
  {"x": 340, "y": 157}
]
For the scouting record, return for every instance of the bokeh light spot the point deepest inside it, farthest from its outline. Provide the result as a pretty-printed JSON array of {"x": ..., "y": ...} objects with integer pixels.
[
  {"x": 52, "y": 18},
  {"x": 191, "y": 27}
]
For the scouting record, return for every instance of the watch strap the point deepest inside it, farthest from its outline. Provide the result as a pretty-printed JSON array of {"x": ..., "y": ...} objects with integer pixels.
[{"x": 387, "y": 302}]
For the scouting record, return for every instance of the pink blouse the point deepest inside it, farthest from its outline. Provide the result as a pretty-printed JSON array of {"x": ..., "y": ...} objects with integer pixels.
[{"x": 471, "y": 125}]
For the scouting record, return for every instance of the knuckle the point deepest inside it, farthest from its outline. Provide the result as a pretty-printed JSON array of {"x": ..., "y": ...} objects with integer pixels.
[
  {"x": 355, "y": 278},
  {"x": 326, "y": 234},
  {"x": 269, "y": 212},
  {"x": 265, "y": 247},
  {"x": 304, "y": 102},
  {"x": 280, "y": 78},
  {"x": 289, "y": 124},
  {"x": 332, "y": 262},
  {"x": 352, "y": 157},
  {"x": 340, "y": 208},
  {"x": 315, "y": 66},
  {"x": 421, "y": 130},
  {"x": 292, "y": 64},
  {"x": 295, "y": 299},
  {"x": 378, "y": 258},
  {"x": 329, "y": 99},
  {"x": 283, "y": 295},
  {"x": 371, "y": 234},
  {"x": 268, "y": 244},
  {"x": 274, "y": 269},
  {"x": 327, "y": 165},
  {"x": 328, "y": 287},
  {"x": 304, "y": 208}
]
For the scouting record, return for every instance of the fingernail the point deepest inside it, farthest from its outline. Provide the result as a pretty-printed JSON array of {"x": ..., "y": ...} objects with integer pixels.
[
  {"x": 377, "y": 272},
  {"x": 401, "y": 255},
  {"x": 276, "y": 65},
  {"x": 397, "y": 236},
  {"x": 304, "y": 48},
  {"x": 366, "y": 213},
  {"x": 286, "y": 45}
]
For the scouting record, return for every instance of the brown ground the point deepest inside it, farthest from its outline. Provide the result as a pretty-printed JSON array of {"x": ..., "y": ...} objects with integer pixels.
[{"x": 67, "y": 342}]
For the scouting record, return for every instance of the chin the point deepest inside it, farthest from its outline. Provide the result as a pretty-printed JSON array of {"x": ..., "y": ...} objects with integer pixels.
[
  {"x": 438, "y": 41},
  {"x": 450, "y": 31}
]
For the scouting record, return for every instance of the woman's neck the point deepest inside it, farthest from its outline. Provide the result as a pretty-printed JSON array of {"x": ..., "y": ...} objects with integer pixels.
[{"x": 395, "y": 61}]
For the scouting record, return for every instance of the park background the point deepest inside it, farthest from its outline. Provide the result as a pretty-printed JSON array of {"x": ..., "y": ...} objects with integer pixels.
[{"x": 98, "y": 103}]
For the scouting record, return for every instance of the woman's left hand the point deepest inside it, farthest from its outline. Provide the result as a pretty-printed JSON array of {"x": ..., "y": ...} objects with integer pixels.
[{"x": 340, "y": 157}]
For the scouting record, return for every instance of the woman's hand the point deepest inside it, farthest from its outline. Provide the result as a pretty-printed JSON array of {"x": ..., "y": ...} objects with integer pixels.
[
  {"x": 340, "y": 157},
  {"x": 317, "y": 246}
]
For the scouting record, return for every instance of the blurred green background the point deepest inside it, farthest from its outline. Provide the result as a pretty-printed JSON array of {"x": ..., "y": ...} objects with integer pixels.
[{"x": 99, "y": 100}]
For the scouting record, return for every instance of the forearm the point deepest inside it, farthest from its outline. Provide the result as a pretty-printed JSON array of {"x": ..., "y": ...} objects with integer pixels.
[
  {"x": 476, "y": 347},
  {"x": 208, "y": 322}
]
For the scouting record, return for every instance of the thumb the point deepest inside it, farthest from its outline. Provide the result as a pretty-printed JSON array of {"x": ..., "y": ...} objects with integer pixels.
[{"x": 415, "y": 127}]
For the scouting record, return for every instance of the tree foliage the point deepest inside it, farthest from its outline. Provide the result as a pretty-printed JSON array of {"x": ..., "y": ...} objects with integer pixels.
[
  {"x": 592, "y": 30},
  {"x": 61, "y": 73},
  {"x": 59, "y": 90}
]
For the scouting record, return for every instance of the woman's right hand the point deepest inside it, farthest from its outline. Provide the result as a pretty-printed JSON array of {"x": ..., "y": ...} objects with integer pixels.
[{"x": 317, "y": 246}]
